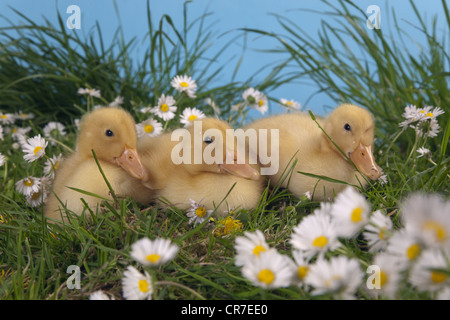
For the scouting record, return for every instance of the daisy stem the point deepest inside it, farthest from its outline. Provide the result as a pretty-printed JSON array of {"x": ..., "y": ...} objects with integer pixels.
[{"x": 170, "y": 283}]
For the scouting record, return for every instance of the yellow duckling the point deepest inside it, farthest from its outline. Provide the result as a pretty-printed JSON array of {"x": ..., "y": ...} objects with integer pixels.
[
  {"x": 192, "y": 164},
  {"x": 111, "y": 133},
  {"x": 352, "y": 130}
]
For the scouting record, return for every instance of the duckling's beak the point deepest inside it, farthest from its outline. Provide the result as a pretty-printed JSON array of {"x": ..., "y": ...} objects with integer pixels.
[
  {"x": 363, "y": 159},
  {"x": 243, "y": 170},
  {"x": 129, "y": 161}
]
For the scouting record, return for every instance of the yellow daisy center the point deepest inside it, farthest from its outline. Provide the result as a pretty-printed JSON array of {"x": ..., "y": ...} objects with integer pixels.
[
  {"x": 289, "y": 103},
  {"x": 302, "y": 271},
  {"x": 438, "y": 230},
  {"x": 429, "y": 114},
  {"x": 413, "y": 251},
  {"x": 438, "y": 277},
  {"x": 422, "y": 111},
  {"x": 261, "y": 102},
  {"x": 56, "y": 165},
  {"x": 258, "y": 249},
  {"x": 320, "y": 241},
  {"x": 184, "y": 84},
  {"x": 192, "y": 117},
  {"x": 35, "y": 195},
  {"x": 383, "y": 279},
  {"x": 28, "y": 182},
  {"x": 200, "y": 212},
  {"x": 153, "y": 258},
  {"x": 381, "y": 234},
  {"x": 148, "y": 128},
  {"x": 164, "y": 107},
  {"x": 37, "y": 150},
  {"x": 357, "y": 215},
  {"x": 3, "y": 116},
  {"x": 266, "y": 276},
  {"x": 143, "y": 285}
]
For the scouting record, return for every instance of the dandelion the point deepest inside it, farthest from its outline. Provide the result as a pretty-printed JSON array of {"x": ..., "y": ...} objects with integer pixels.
[
  {"x": 153, "y": 252},
  {"x": 316, "y": 233},
  {"x": 387, "y": 275},
  {"x": 190, "y": 115},
  {"x": 290, "y": 104},
  {"x": 7, "y": 118},
  {"x": 149, "y": 127},
  {"x": 271, "y": 270},
  {"x": 165, "y": 108},
  {"x": 54, "y": 129},
  {"x": 197, "y": 213},
  {"x": 340, "y": 276},
  {"x": 52, "y": 165},
  {"x": 100, "y": 295},
  {"x": 404, "y": 246},
  {"x": 28, "y": 186},
  {"x": 423, "y": 152},
  {"x": 90, "y": 92},
  {"x": 34, "y": 148},
  {"x": 184, "y": 84},
  {"x": 350, "y": 211},
  {"x": 118, "y": 101},
  {"x": 135, "y": 285},
  {"x": 2, "y": 159},
  {"x": 430, "y": 272},
  {"x": 377, "y": 231},
  {"x": 250, "y": 246},
  {"x": 426, "y": 217}
]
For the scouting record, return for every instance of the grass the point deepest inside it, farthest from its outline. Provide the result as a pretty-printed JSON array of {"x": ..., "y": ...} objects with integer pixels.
[{"x": 40, "y": 72}]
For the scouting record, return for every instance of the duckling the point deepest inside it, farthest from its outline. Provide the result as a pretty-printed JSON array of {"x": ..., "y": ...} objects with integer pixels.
[
  {"x": 352, "y": 130},
  {"x": 206, "y": 181},
  {"x": 111, "y": 133}
]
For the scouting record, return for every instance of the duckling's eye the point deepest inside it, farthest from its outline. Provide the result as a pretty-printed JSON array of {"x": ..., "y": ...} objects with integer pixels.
[
  {"x": 208, "y": 140},
  {"x": 347, "y": 127},
  {"x": 109, "y": 133}
]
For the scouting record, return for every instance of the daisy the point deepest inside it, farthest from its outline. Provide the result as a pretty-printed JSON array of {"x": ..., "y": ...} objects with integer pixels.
[
  {"x": 184, "y": 84},
  {"x": 429, "y": 114},
  {"x": 387, "y": 275},
  {"x": 100, "y": 295},
  {"x": 54, "y": 130},
  {"x": 251, "y": 96},
  {"x": 250, "y": 246},
  {"x": 425, "y": 273},
  {"x": 433, "y": 128},
  {"x": 165, "y": 108},
  {"x": 28, "y": 186},
  {"x": 34, "y": 148},
  {"x": 197, "y": 213},
  {"x": 7, "y": 118},
  {"x": 302, "y": 266},
  {"x": 262, "y": 104},
  {"x": 190, "y": 115},
  {"x": 426, "y": 217},
  {"x": 52, "y": 165},
  {"x": 404, "y": 246},
  {"x": 2, "y": 159},
  {"x": 423, "y": 152},
  {"x": 153, "y": 252},
  {"x": 340, "y": 276},
  {"x": 290, "y": 104},
  {"x": 444, "y": 294},
  {"x": 20, "y": 134},
  {"x": 210, "y": 102},
  {"x": 350, "y": 210},
  {"x": 35, "y": 199},
  {"x": 316, "y": 233},
  {"x": 1, "y": 133},
  {"x": 271, "y": 270},
  {"x": 149, "y": 127},
  {"x": 135, "y": 285},
  {"x": 118, "y": 101},
  {"x": 377, "y": 231},
  {"x": 90, "y": 92},
  {"x": 23, "y": 116}
]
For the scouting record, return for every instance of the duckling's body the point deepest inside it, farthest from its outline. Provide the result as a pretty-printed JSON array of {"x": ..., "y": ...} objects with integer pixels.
[
  {"x": 111, "y": 133},
  {"x": 301, "y": 139},
  {"x": 208, "y": 184}
]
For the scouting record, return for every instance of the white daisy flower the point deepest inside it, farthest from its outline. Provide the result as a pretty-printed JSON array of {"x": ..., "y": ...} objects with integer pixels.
[
  {"x": 430, "y": 272},
  {"x": 135, "y": 285},
  {"x": 210, "y": 102},
  {"x": 433, "y": 129},
  {"x": 340, "y": 276},
  {"x": 271, "y": 270},
  {"x": 20, "y": 134},
  {"x": 190, "y": 115},
  {"x": 302, "y": 266},
  {"x": 166, "y": 108},
  {"x": 444, "y": 294},
  {"x": 1, "y": 133},
  {"x": 118, "y": 101},
  {"x": 404, "y": 246},
  {"x": 250, "y": 246},
  {"x": 153, "y": 252},
  {"x": 7, "y": 118},
  {"x": 90, "y": 92},
  {"x": 429, "y": 114},
  {"x": 149, "y": 127},
  {"x": 387, "y": 275},
  {"x": 52, "y": 165},
  {"x": 411, "y": 114},
  {"x": 23, "y": 116},
  {"x": 2, "y": 159},
  {"x": 100, "y": 295},
  {"x": 197, "y": 213},
  {"x": 316, "y": 233},
  {"x": 28, "y": 186},
  {"x": 55, "y": 130},
  {"x": 262, "y": 103},
  {"x": 350, "y": 211},
  {"x": 426, "y": 217},
  {"x": 35, "y": 199},
  {"x": 378, "y": 231},
  {"x": 34, "y": 148},
  {"x": 423, "y": 152},
  {"x": 290, "y": 104},
  {"x": 185, "y": 84},
  {"x": 250, "y": 96}
]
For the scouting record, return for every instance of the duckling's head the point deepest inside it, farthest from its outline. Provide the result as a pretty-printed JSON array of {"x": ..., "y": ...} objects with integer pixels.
[
  {"x": 213, "y": 148},
  {"x": 111, "y": 133},
  {"x": 352, "y": 129}
]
